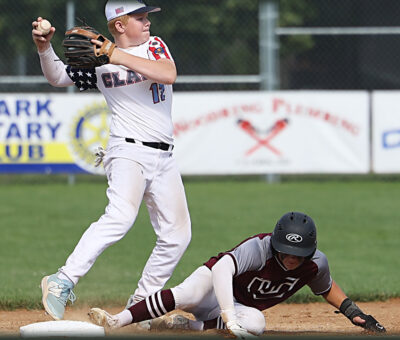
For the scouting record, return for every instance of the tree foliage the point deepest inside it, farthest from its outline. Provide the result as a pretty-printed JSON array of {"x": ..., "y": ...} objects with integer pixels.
[
  {"x": 292, "y": 14},
  {"x": 204, "y": 36}
]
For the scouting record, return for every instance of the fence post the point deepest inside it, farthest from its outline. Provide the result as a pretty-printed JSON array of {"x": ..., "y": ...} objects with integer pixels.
[
  {"x": 269, "y": 60},
  {"x": 70, "y": 21}
]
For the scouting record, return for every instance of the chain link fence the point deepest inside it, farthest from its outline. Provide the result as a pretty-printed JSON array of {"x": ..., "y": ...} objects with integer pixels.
[{"x": 218, "y": 44}]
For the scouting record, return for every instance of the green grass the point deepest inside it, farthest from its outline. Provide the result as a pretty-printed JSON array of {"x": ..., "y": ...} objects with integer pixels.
[{"x": 42, "y": 219}]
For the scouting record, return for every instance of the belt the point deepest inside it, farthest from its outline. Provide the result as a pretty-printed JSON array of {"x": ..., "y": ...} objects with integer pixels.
[{"x": 154, "y": 145}]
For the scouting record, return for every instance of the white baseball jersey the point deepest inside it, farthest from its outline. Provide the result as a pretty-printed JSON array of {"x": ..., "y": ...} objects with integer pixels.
[{"x": 141, "y": 108}]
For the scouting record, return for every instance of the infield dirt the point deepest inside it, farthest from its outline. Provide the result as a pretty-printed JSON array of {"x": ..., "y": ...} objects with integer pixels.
[{"x": 283, "y": 319}]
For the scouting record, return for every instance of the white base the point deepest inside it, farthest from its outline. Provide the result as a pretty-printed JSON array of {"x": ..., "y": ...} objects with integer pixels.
[{"x": 61, "y": 328}]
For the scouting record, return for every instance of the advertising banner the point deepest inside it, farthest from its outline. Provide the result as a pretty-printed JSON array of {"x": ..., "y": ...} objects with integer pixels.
[
  {"x": 386, "y": 131},
  {"x": 55, "y": 133},
  {"x": 215, "y": 132},
  {"x": 272, "y": 132}
]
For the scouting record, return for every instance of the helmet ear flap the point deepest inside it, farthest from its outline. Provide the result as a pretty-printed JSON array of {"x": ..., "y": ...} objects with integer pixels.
[
  {"x": 309, "y": 257},
  {"x": 274, "y": 252}
]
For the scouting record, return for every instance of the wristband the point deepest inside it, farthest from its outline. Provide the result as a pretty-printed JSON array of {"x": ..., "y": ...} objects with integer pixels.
[{"x": 350, "y": 309}]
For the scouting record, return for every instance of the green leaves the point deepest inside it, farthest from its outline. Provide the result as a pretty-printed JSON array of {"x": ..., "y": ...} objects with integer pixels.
[{"x": 204, "y": 36}]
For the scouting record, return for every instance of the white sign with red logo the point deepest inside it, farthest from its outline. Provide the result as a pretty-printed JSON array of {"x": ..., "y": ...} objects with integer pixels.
[
  {"x": 386, "y": 131},
  {"x": 272, "y": 132}
]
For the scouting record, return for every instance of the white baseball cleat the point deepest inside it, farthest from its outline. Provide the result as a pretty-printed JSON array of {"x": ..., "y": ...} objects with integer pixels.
[
  {"x": 173, "y": 321},
  {"x": 102, "y": 318}
]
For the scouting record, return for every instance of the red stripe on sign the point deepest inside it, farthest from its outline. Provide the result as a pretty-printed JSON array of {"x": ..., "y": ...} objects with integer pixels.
[{"x": 163, "y": 46}]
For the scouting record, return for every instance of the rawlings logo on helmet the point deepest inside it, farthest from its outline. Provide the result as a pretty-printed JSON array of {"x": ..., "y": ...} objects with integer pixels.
[
  {"x": 295, "y": 234},
  {"x": 294, "y": 238}
]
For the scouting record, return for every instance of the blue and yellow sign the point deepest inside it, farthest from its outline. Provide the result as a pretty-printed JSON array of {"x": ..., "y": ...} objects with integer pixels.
[{"x": 51, "y": 134}]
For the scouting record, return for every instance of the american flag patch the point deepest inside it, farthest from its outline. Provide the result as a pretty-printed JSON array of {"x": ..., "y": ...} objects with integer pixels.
[{"x": 119, "y": 10}]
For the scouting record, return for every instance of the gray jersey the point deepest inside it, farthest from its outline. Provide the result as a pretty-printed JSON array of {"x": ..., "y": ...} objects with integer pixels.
[{"x": 261, "y": 281}]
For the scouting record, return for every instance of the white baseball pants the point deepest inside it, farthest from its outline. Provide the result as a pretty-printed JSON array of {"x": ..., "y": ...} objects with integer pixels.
[
  {"x": 137, "y": 173},
  {"x": 196, "y": 295}
]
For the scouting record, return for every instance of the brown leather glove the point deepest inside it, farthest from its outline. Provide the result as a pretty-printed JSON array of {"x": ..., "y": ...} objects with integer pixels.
[{"x": 80, "y": 52}]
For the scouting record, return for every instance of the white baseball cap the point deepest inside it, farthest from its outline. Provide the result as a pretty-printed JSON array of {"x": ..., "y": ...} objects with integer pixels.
[{"x": 115, "y": 9}]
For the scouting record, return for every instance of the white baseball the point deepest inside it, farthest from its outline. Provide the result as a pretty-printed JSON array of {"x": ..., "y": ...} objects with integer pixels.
[{"x": 44, "y": 27}]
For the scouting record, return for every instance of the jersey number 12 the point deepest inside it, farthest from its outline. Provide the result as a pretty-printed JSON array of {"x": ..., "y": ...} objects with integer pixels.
[{"x": 158, "y": 92}]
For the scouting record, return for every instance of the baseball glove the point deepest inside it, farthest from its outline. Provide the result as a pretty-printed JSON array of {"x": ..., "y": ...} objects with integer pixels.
[{"x": 81, "y": 52}]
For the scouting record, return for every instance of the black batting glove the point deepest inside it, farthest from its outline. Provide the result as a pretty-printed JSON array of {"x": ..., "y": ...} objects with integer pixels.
[
  {"x": 371, "y": 324},
  {"x": 351, "y": 310}
]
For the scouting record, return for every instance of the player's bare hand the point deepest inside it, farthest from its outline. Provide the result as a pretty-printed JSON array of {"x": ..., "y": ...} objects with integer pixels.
[
  {"x": 369, "y": 323},
  {"x": 114, "y": 54},
  {"x": 238, "y": 331},
  {"x": 97, "y": 42},
  {"x": 42, "y": 41},
  {"x": 357, "y": 320}
]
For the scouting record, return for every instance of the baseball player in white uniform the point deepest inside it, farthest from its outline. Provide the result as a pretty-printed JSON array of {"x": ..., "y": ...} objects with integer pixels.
[
  {"x": 139, "y": 163},
  {"x": 231, "y": 289}
]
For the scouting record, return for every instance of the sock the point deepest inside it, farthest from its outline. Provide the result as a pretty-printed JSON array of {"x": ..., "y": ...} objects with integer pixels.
[
  {"x": 124, "y": 318},
  {"x": 214, "y": 323},
  {"x": 153, "y": 306},
  {"x": 62, "y": 276}
]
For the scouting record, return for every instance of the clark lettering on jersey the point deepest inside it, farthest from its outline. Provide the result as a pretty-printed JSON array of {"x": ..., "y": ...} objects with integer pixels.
[
  {"x": 113, "y": 79},
  {"x": 86, "y": 79}
]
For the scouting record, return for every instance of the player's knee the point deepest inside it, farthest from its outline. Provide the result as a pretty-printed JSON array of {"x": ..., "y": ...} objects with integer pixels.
[
  {"x": 182, "y": 235},
  {"x": 121, "y": 219},
  {"x": 252, "y": 319}
]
